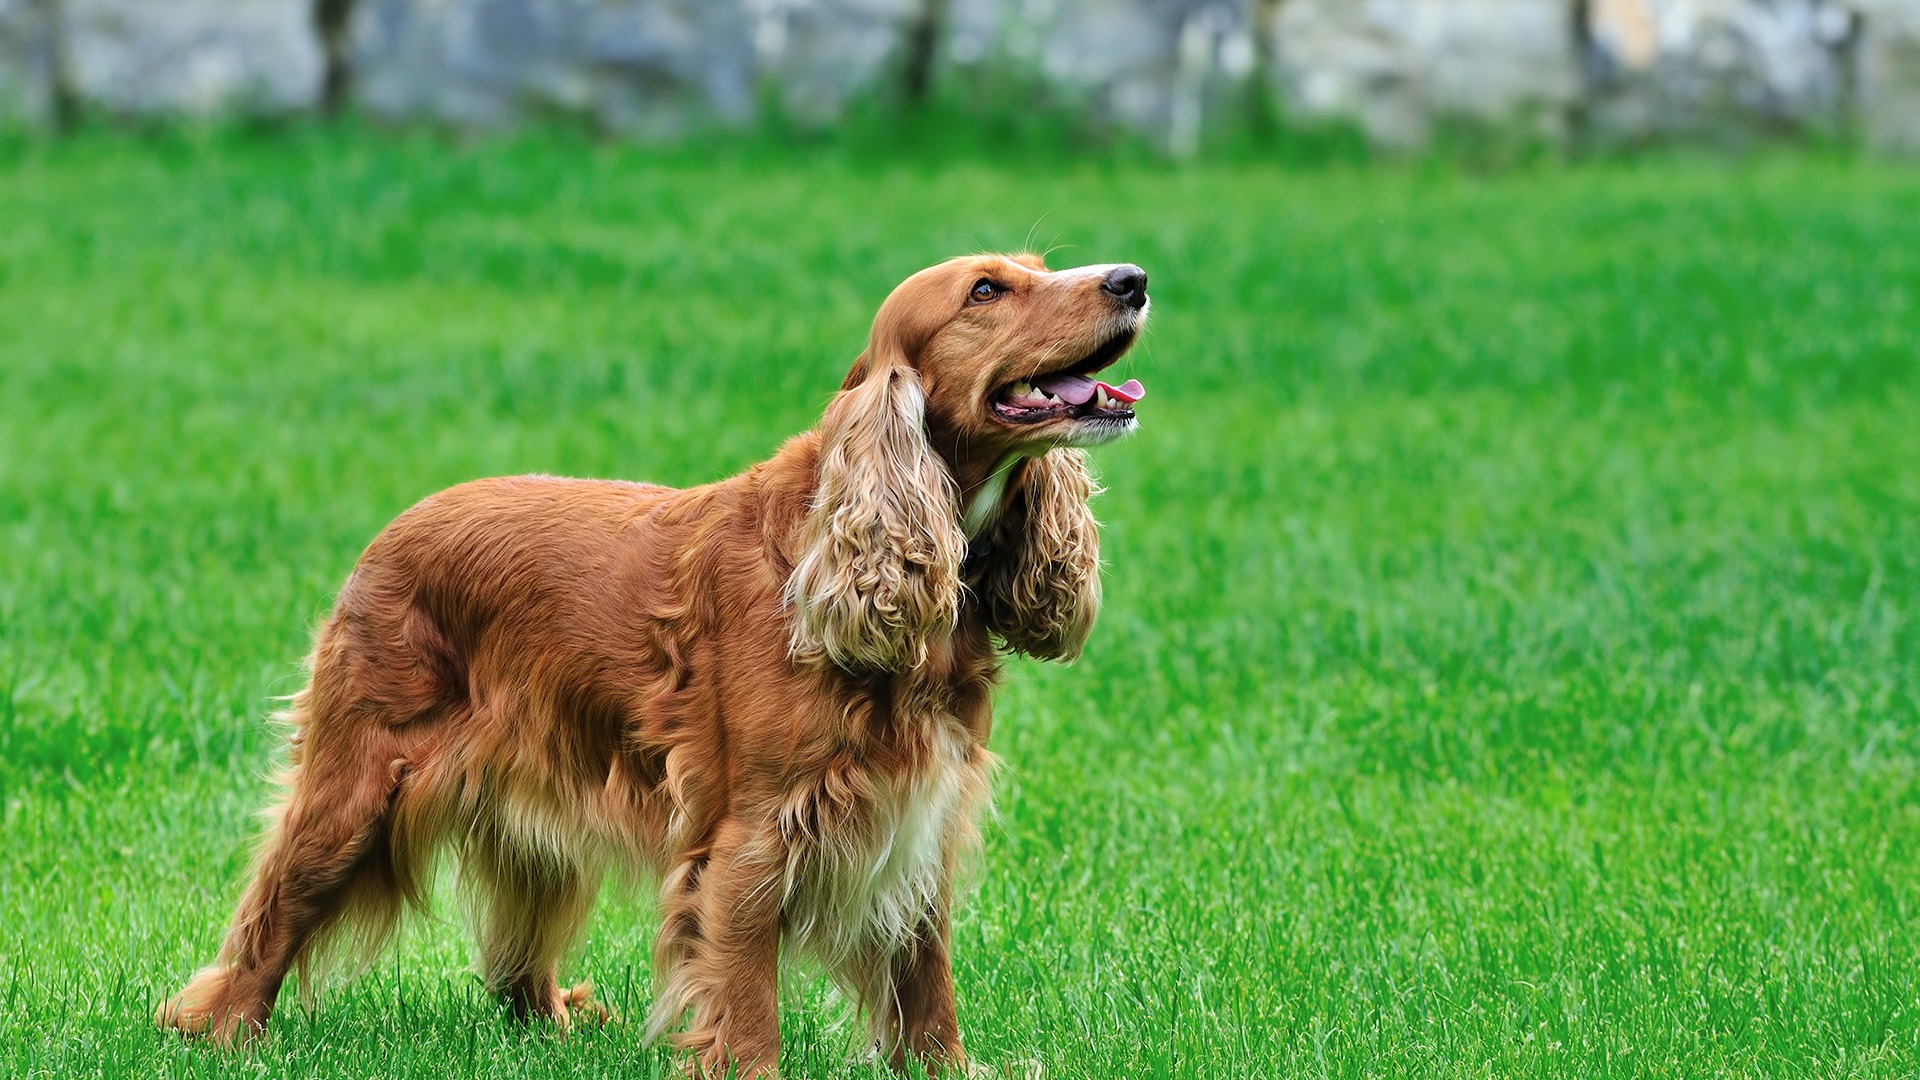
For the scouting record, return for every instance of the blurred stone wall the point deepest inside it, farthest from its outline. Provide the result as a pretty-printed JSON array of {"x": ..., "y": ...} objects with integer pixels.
[
  {"x": 1397, "y": 65},
  {"x": 1627, "y": 69},
  {"x": 196, "y": 56},
  {"x": 27, "y": 77},
  {"x": 1122, "y": 57},
  {"x": 816, "y": 56},
  {"x": 1702, "y": 66},
  {"x": 648, "y": 67},
  {"x": 1888, "y": 73}
]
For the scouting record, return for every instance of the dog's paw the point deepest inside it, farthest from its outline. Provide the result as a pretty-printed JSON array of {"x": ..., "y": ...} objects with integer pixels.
[
  {"x": 578, "y": 1005},
  {"x": 207, "y": 1009}
]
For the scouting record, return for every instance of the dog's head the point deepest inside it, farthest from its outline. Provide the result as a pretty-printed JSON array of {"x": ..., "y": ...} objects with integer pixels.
[
  {"x": 978, "y": 377},
  {"x": 1007, "y": 352}
]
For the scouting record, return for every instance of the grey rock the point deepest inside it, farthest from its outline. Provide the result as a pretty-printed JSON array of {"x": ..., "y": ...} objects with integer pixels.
[
  {"x": 1160, "y": 66},
  {"x": 192, "y": 56},
  {"x": 645, "y": 67},
  {"x": 1697, "y": 67},
  {"x": 819, "y": 55},
  {"x": 26, "y": 62},
  {"x": 1889, "y": 73},
  {"x": 1396, "y": 65}
]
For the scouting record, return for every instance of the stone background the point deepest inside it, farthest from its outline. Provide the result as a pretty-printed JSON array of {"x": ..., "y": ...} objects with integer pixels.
[{"x": 654, "y": 68}]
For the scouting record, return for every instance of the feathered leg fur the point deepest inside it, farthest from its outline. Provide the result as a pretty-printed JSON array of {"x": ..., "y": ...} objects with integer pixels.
[{"x": 325, "y": 868}]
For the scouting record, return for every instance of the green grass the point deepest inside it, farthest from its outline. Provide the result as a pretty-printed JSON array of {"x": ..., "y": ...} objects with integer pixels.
[{"x": 1510, "y": 664}]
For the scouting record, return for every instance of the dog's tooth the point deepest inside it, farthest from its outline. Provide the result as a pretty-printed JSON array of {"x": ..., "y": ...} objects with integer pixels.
[{"x": 1100, "y": 399}]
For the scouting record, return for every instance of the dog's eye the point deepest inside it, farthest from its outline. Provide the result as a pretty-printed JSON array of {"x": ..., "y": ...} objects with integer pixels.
[{"x": 984, "y": 290}]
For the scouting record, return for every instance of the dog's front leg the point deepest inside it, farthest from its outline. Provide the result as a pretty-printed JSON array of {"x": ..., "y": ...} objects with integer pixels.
[
  {"x": 719, "y": 953},
  {"x": 919, "y": 1023}
]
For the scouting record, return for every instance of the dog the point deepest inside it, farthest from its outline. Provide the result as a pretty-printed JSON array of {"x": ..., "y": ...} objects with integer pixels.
[{"x": 770, "y": 692}]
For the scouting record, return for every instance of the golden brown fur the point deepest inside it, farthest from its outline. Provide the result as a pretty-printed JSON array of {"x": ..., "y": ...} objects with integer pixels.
[{"x": 771, "y": 692}]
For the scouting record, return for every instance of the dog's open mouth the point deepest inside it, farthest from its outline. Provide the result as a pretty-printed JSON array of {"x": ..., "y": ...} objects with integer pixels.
[{"x": 1072, "y": 392}]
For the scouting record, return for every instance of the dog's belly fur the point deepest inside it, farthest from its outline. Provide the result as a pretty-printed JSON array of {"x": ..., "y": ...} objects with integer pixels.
[
  {"x": 862, "y": 882},
  {"x": 865, "y": 888}
]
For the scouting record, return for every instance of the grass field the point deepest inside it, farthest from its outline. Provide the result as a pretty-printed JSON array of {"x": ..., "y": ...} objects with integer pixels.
[{"x": 1510, "y": 665}]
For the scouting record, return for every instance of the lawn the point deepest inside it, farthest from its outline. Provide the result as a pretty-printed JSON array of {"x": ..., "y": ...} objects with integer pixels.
[{"x": 1510, "y": 663}]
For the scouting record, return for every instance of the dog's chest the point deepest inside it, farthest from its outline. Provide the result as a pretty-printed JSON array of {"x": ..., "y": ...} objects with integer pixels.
[{"x": 870, "y": 885}]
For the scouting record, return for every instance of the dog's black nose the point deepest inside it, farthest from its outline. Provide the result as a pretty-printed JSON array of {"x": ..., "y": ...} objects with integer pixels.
[{"x": 1129, "y": 283}]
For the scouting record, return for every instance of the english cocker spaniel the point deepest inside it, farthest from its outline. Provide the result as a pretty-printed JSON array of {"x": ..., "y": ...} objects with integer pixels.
[{"x": 772, "y": 692}]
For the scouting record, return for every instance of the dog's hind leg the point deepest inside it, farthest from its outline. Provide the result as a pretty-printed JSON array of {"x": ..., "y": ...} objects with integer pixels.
[
  {"x": 326, "y": 854},
  {"x": 531, "y": 907}
]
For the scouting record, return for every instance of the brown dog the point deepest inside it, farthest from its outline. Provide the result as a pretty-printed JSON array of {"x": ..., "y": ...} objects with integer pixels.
[{"x": 771, "y": 691}]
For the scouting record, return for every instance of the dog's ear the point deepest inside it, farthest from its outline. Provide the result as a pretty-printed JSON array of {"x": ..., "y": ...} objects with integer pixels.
[
  {"x": 879, "y": 565},
  {"x": 1040, "y": 582}
]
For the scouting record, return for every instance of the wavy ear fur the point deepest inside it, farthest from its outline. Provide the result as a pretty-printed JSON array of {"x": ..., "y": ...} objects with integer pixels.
[
  {"x": 879, "y": 569},
  {"x": 1041, "y": 579}
]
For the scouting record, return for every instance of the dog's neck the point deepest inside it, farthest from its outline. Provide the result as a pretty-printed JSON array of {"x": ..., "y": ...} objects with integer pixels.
[{"x": 989, "y": 496}]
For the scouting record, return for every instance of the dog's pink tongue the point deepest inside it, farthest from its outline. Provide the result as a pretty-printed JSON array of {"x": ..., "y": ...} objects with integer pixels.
[
  {"x": 1072, "y": 389},
  {"x": 1078, "y": 389}
]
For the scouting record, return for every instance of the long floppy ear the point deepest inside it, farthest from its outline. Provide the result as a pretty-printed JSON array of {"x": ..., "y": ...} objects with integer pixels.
[
  {"x": 1041, "y": 580},
  {"x": 881, "y": 547}
]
